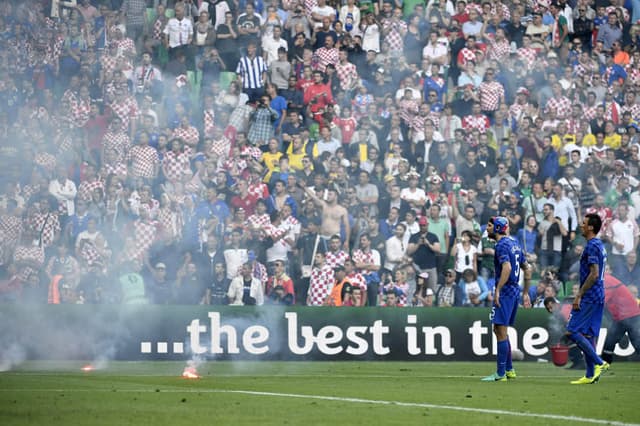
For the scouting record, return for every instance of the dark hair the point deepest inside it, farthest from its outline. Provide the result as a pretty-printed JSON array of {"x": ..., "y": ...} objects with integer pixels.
[{"x": 594, "y": 221}]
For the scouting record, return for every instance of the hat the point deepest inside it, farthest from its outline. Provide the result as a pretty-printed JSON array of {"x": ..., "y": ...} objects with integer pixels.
[
  {"x": 435, "y": 179},
  {"x": 380, "y": 70},
  {"x": 522, "y": 91},
  {"x": 552, "y": 55},
  {"x": 251, "y": 255},
  {"x": 429, "y": 292},
  {"x": 619, "y": 162},
  {"x": 422, "y": 220},
  {"x": 450, "y": 271},
  {"x": 160, "y": 265},
  {"x": 424, "y": 275},
  {"x": 621, "y": 130},
  {"x": 338, "y": 268}
]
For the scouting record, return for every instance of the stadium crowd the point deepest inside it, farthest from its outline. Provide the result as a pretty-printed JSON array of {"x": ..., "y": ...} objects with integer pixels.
[{"x": 311, "y": 152}]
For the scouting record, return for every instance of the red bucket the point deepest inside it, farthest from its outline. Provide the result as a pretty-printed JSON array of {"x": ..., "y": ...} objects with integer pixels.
[{"x": 559, "y": 354}]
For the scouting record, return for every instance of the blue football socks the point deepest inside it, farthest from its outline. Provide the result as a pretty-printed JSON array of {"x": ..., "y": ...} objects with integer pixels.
[
  {"x": 503, "y": 351},
  {"x": 509, "y": 364},
  {"x": 588, "y": 349}
]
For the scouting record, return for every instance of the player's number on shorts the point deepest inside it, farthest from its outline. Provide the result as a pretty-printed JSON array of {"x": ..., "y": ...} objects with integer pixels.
[{"x": 492, "y": 313}]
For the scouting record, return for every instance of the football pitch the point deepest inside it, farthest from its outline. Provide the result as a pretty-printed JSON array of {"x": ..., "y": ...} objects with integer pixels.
[{"x": 313, "y": 393}]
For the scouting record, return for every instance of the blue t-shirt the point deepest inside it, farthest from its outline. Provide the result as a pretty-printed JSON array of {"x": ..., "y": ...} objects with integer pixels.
[
  {"x": 594, "y": 253},
  {"x": 508, "y": 250}
]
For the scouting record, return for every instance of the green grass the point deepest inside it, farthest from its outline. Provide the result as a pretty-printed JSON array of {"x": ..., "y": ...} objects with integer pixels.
[{"x": 141, "y": 393}]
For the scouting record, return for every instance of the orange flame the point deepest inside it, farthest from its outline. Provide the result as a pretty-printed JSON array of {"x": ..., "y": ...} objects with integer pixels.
[
  {"x": 190, "y": 373},
  {"x": 87, "y": 368}
]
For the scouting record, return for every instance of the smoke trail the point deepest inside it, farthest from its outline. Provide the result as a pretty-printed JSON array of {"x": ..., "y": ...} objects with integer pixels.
[{"x": 12, "y": 356}]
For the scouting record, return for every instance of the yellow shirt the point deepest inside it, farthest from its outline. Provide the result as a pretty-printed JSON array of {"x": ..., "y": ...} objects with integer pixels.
[
  {"x": 271, "y": 162},
  {"x": 613, "y": 141}
]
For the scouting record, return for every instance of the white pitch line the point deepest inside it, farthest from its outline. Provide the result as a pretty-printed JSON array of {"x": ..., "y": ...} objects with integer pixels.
[{"x": 345, "y": 399}]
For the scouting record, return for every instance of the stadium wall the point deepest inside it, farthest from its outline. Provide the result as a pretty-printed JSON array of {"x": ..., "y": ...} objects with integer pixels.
[{"x": 151, "y": 332}]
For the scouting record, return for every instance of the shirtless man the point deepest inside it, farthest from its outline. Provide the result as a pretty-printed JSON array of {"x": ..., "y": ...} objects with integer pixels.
[{"x": 333, "y": 214}]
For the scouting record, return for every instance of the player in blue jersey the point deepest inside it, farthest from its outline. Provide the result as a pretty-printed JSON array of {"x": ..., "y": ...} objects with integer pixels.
[
  {"x": 588, "y": 305},
  {"x": 509, "y": 260}
]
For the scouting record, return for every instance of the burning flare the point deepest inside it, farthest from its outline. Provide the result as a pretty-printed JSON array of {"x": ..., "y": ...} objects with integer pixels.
[
  {"x": 87, "y": 368},
  {"x": 190, "y": 373}
]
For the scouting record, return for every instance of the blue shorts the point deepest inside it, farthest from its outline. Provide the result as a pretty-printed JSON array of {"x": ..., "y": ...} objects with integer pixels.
[
  {"x": 506, "y": 313},
  {"x": 587, "y": 320}
]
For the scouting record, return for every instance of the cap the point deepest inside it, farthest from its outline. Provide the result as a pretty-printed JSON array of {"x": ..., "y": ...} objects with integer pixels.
[
  {"x": 450, "y": 271},
  {"x": 619, "y": 162},
  {"x": 161, "y": 265},
  {"x": 552, "y": 55},
  {"x": 522, "y": 91},
  {"x": 500, "y": 224},
  {"x": 424, "y": 275},
  {"x": 429, "y": 292},
  {"x": 422, "y": 220},
  {"x": 338, "y": 268},
  {"x": 380, "y": 70},
  {"x": 435, "y": 179}
]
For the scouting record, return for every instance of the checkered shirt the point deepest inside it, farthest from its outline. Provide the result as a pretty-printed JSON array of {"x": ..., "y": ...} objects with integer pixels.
[
  {"x": 45, "y": 225},
  {"x": 158, "y": 28},
  {"x": 348, "y": 75},
  {"x": 589, "y": 112},
  {"x": 408, "y": 109},
  {"x": 528, "y": 56},
  {"x": 119, "y": 142},
  {"x": 80, "y": 112},
  {"x": 209, "y": 121},
  {"x": 325, "y": 57},
  {"x": 143, "y": 160},
  {"x": 239, "y": 118},
  {"x": 235, "y": 166},
  {"x": 582, "y": 71},
  {"x": 32, "y": 254},
  {"x": 261, "y": 129},
  {"x": 480, "y": 122},
  {"x": 251, "y": 151},
  {"x": 89, "y": 253},
  {"x": 633, "y": 74},
  {"x": 126, "y": 110},
  {"x": 465, "y": 55},
  {"x": 126, "y": 46},
  {"x": 259, "y": 221},
  {"x": 258, "y": 189},
  {"x": 499, "y": 50},
  {"x": 337, "y": 258},
  {"x": 176, "y": 166},
  {"x": 504, "y": 11},
  {"x": 359, "y": 256},
  {"x": 320, "y": 285},
  {"x": 490, "y": 95},
  {"x": 190, "y": 135},
  {"x": 633, "y": 109},
  {"x": 356, "y": 279},
  {"x": 573, "y": 125},
  {"x": 220, "y": 147},
  {"x": 394, "y": 36},
  {"x": 86, "y": 188},
  {"x": 119, "y": 168},
  {"x": 561, "y": 105},
  {"x": 46, "y": 161},
  {"x": 171, "y": 222},
  {"x": 11, "y": 228},
  {"x": 144, "y": 234},
  {"x": 108, "y": 62}
]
